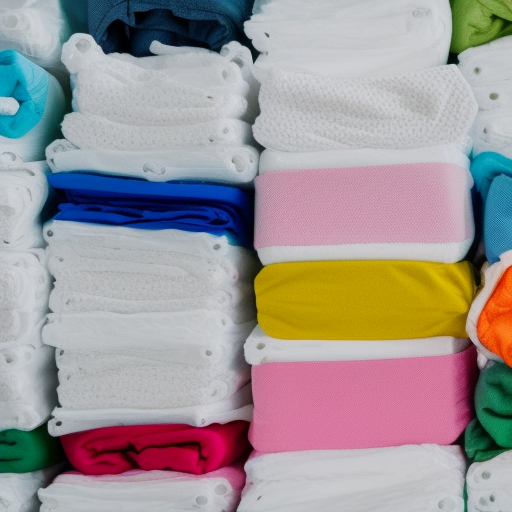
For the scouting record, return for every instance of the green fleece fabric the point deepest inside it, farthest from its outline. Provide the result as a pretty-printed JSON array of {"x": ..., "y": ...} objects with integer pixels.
[
  {"x": 22, "y": 452},
  {"x": 476, "y": 22},
  {"x": 491, "y": 432}
]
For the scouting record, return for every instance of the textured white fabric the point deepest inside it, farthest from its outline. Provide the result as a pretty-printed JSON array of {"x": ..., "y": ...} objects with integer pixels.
[
  {"x": 399, "y": 479},
  {"x": 87, "y": 131},
  {"x": 492, "y": 131},
  {"x": 23, "y": 194},
  {"x": 150, "y": 491},
  {"x": 24, "y": 290},
  {"x": 36, "y": 28},
  {"x": 488, "y": 485},
  {"x": 234, "y": 164},
  {"x": 18, "y": 491},
  {"x": 236, "y": 407},
  {"x": 146, "y": 379},
  {"x": 31, "y": 147},
  {"x": 200, "y": 337},
  {"x": 488, "y": 70},
  {"x": 491, "y": 277},
  {"x": 352, "y": 38},
  {"x": 28, "y": 379},
  {"x": 126, "y": 270},
  {"x": 160, "y": 90},
  {"x": 261, "y": 348},
  {"x": 271, "y": 160},
  {"x": 302, "y": 112}
]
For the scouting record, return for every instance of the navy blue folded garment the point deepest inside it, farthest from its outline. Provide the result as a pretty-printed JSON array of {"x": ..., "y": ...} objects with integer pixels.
[
  {"x": 188, "y": 206},
  {"x": 492, "y": 173},
  {"x": 131, "y": 25}
]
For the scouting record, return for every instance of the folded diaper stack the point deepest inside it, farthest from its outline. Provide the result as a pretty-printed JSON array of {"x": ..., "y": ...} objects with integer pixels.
[
  {"x": 31, "y": 107},
  {"x": 487, "y": 70},
  {"x": 488, "y": 439},
  {"x": 151, "y": 252},
  {"x": 37, "y": 29},
  {"x": 362, "y": 368}
]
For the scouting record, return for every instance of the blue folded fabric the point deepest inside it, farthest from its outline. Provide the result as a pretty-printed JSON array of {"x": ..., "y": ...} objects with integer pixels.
[
  {"x": 28, "y": 84},
  {"x": 131, "y": 25},
  {"x": 188, "y": 206},
  {"x": 492, "y": 174}
]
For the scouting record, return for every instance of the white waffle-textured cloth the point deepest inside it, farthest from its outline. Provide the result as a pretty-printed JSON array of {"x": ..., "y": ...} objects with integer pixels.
[{"x": 304, "y": 112}]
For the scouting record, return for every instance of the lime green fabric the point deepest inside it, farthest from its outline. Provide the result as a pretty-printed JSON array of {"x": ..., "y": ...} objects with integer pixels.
[
  {"x": 491, "y": 432},
  {"x": 22, "y": 452},
  {"x": 476, "y": 22}
]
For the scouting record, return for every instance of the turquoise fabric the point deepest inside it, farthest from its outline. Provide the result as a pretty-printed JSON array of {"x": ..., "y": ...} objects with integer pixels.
[{"x": 28, "y": 84}]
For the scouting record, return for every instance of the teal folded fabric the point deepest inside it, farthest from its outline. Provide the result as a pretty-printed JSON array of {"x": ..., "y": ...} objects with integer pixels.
[
  {"x": 28, "y": 84},
  {"x": 491, "y": 432},
  {"x": 476, "y": 22}
]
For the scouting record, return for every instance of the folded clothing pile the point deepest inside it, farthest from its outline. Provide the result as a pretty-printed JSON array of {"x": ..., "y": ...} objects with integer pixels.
[
  {"x": 353, "y": 39},
  {"x": 488, "y": 484},
  {"x": 476, "y": 22},
  {"x": 35, "y": 28},
  {"x": 175, "y": 115},
  {"x": 127, "y": 26},
  {"x": 28, "y": 461},
  {"x": 32, "y": 105},
  {"x": 18, "y": 491},
  {"x": 218, "y": 491},
  {"x": 489, "y": 441},
  {"x": 405, "y": 478},
  {"x": 336, "y": 394},
  {"x": 489, "y": 74},
  {"x": 23, "y": 195}
]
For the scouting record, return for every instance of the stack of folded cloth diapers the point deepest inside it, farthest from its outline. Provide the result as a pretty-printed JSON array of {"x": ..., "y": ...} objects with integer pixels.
[
  {"x": 32, "y": 105},
  {"x": 152, "y": 256},
  {"x": 488, "y": 439},
  {"x": 363, "y": 374}
]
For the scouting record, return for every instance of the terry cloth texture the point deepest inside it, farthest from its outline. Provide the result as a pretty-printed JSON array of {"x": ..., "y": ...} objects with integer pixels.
[
  {"x": 28, "y": 380},
  {"x": 196, "y": 207},
  {"x": 114, "y": 450},
  {"x": 32, "y": 105},
  {"x": 146, "y": 379},
  {"x": 133, "y": 491},
  {"x": 401, "y": 479},
  {"x": 22, "y": 451},
  {"x": 236, "y": 407},
  {"x": 397, "y": 212},
  {"x": 350, "y": 39},
  {"x": 18, "y": 491},
  {"x": 131, "y": 271},
  {"x": 35, "y": 28},
  {"x": 23, "y": 195},
  {"x": 476, "y": 22},
  {"x": 362, "y": 404},
  {"x": 156, "y": 91},
  {"x": 24, "y": 290},
  {"x": 490, "y": 316},
  {"x": 302, "y": 112},
  {"x": 488, "y": 484},
  {"x": 131, "y": 26},
  {"x": 365, "y": 300}
]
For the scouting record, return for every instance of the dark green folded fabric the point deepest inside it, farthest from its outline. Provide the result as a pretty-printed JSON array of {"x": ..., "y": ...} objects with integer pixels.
[
  {"x": 22, "y": 452},
  {"x": 476, "y": 22},
  {"x": 491, "y": 432}
]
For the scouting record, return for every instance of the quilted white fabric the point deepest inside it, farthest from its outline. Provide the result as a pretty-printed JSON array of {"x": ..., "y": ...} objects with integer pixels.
[{"x": 303, "y": 112}]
